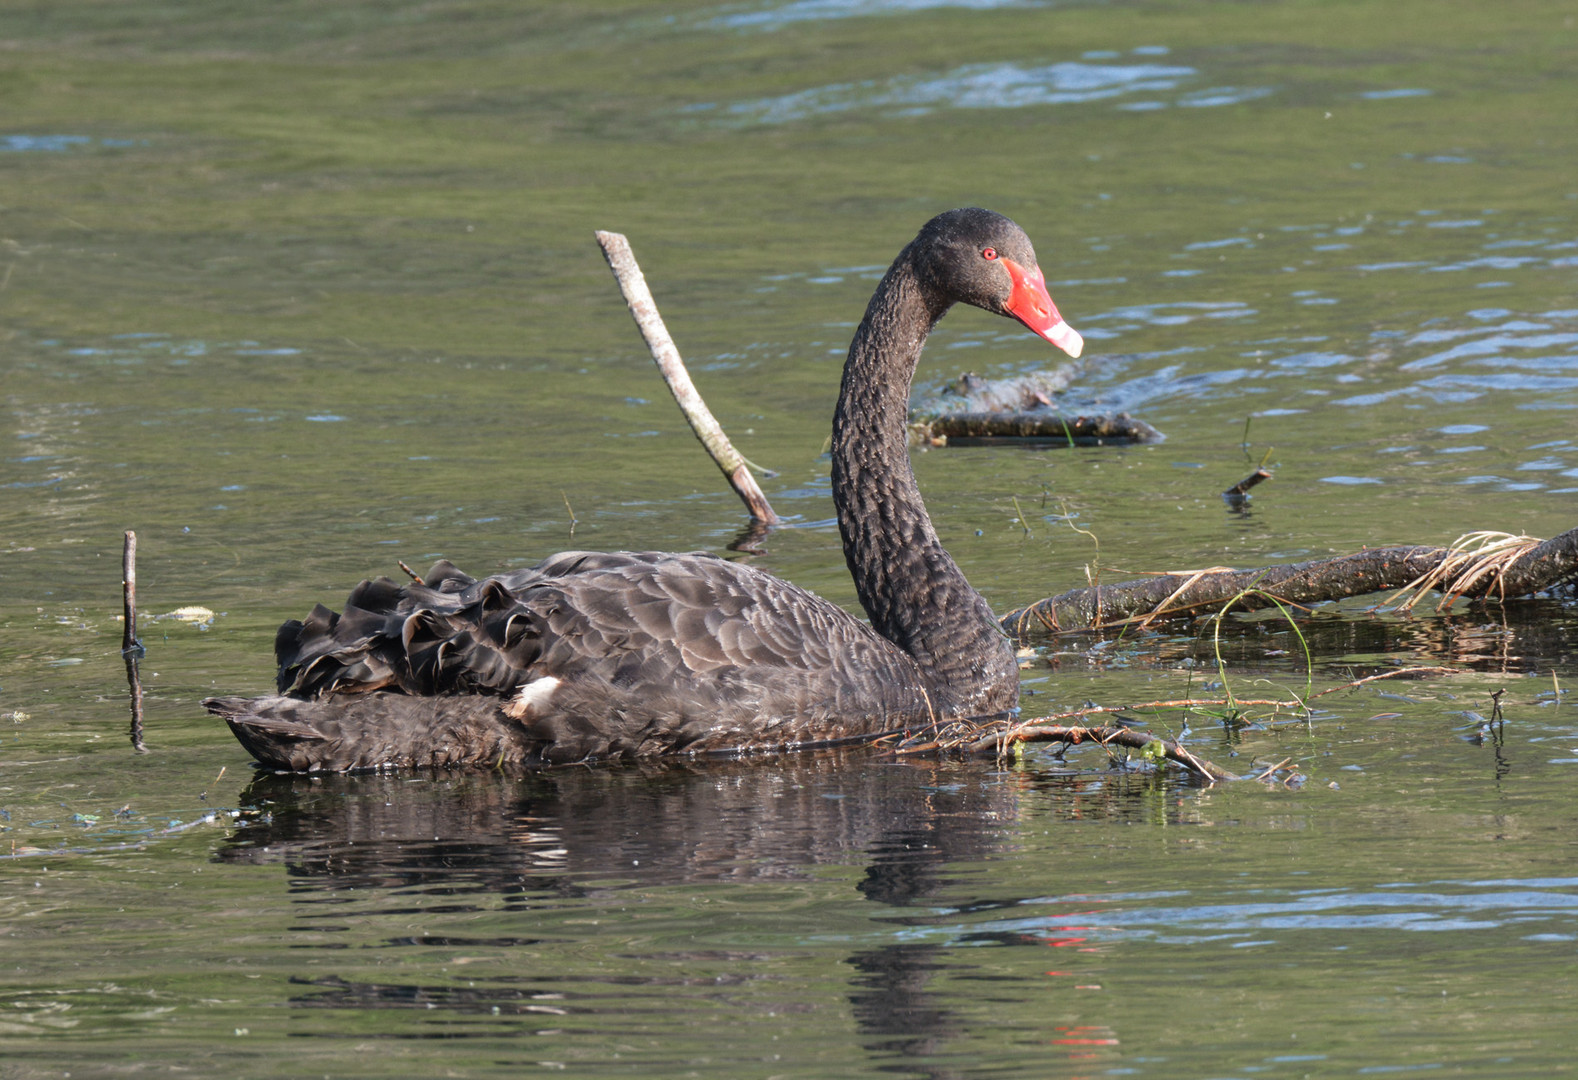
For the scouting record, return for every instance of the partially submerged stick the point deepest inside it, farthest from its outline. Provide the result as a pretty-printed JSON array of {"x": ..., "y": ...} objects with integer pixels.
[
  {"x": 129, "y": 642},
  {"x": 996, "y": 739},
  {"x": 1240, "y": 490},
  {"x": 616, "y": 249},
  {"x": 131, "y": 648},
  {"x": 1110, "y": 736}
]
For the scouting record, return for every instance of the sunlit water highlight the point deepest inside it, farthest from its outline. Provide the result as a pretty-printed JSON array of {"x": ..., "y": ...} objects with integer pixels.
[
  {"x": 774, "y": 16},
  {"x": 996, "y": 86}
]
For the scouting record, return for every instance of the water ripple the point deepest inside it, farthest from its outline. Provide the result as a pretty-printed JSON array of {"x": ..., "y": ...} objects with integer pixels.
[
  {"x": 54, "y": 144},
  {"x": 1223, "y": 95},
  {"x": 1481, "y": 906},
  {"x": 1490, "y": 347},
  {"x": 774, "y": 18},
  {"x": 1382, "y": 95},
  {"x": 974, "y": 86}
]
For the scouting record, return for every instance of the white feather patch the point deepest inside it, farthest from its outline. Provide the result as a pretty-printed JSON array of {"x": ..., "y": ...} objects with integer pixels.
[{"x": 532, "y": 697}]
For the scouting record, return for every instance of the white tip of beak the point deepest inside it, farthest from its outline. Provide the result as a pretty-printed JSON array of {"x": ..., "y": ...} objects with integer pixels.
[{"x": 1066, "y": 338}]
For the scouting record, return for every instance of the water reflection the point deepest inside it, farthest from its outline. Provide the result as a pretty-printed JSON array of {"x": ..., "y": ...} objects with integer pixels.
[
  {"x": 1518, "y": 638},
  {"x": 890, "y": 1002},
  {"x": 659, "y": 824},
  {"x": 566, "y": 850},
  {"x": 1457, "y": 905}
]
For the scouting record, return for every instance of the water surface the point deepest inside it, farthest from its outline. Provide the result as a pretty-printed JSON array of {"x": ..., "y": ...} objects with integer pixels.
[{"x": 300, "y": 292}]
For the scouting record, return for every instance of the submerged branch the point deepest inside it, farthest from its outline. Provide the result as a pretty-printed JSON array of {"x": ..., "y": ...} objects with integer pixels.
[
  {"x": 998, "y": 737},
  {"x": 1181, "y": 593},
  {"x": 999, "y": 742}
]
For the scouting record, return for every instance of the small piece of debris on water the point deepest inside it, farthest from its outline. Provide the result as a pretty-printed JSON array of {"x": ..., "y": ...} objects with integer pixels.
[{"x": 191, "y": 614}]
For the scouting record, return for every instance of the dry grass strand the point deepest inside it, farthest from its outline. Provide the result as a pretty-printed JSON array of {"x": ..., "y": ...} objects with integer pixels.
[{"x": 1472, "y": 558}]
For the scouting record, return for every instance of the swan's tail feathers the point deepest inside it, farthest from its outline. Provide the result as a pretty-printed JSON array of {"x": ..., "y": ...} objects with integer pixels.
[
  {"x": 347, "y": 732},
  {"x": 274, "y": 730}
]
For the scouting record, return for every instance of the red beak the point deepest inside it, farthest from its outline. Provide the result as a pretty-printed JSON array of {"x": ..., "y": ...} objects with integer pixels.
[{"x": 1030, "y": 303}]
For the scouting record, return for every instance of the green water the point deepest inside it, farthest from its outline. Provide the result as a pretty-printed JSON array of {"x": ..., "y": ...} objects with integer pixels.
[{"x": 300, "y": 290}]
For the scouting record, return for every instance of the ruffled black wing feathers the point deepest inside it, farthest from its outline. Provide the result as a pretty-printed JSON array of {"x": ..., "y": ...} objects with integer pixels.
[{"x": 647, "y": 653}]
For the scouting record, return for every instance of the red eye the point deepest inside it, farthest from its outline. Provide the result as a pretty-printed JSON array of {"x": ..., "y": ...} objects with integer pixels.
[{"x": 988, "y": 253}]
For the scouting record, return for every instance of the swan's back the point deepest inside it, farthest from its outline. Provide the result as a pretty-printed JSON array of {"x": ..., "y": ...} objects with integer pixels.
[{"x": 588, "y": 655}]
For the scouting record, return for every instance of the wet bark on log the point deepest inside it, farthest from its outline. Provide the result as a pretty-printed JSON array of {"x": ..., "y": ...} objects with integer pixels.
[
  {"x": 1551, "y": 563},
  {"x": 965, "y": 428}
]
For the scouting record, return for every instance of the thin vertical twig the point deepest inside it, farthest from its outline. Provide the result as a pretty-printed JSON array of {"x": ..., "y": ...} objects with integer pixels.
[
  {"x": 129, "y": 642},
  {"x": 131, "y": 648}
]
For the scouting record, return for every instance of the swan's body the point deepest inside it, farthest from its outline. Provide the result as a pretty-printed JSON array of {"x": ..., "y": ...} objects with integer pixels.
[{"x": 605, "y": 656}]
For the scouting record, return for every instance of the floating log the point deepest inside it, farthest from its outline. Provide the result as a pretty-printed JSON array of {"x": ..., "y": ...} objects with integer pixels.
[
  {"x": 973, "y": 411},
  {"x": 1039, "y": 425},
  {"x": 1540, "y": 566}
]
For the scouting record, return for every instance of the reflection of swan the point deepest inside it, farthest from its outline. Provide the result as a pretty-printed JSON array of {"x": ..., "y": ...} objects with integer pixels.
[
  {"x": 593, "y": 900},
  {"x": 630, "y": 655},
  {"x": 663, "y": 821},
  {"x": 535, "y": 872}
]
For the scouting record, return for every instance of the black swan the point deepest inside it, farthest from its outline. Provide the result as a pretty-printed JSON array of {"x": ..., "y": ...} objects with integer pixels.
[{"x": 590, "y": 656}]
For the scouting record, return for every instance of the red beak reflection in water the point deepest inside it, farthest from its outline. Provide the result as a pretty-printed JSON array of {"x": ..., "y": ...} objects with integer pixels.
[{"x": 1030, "y": 303}]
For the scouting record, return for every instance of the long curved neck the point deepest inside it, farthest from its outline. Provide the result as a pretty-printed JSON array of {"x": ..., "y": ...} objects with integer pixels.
[{"x": 913, "y": 591}]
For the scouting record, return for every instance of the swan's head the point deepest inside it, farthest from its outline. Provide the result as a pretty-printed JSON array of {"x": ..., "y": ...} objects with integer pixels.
[{"x": 977, "y": 257}]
